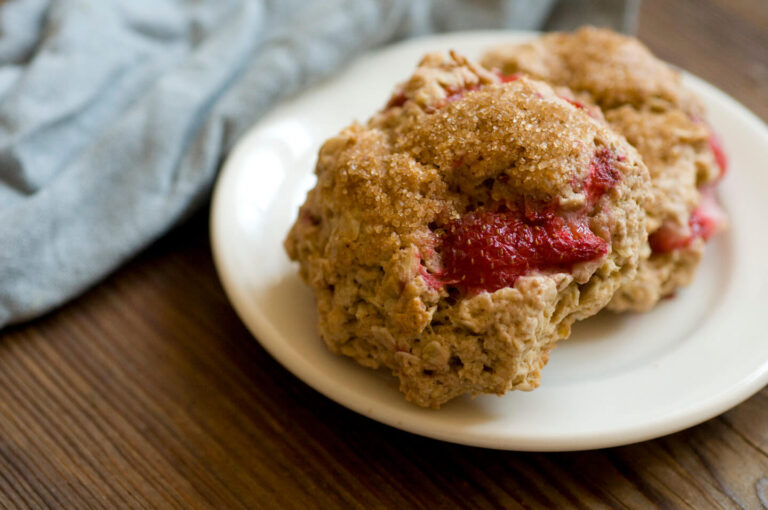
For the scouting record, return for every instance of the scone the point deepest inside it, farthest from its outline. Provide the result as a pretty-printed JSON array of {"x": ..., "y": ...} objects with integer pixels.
[
  {"x": 457, "y": 235},
  {"x": 643, "y": 99}
]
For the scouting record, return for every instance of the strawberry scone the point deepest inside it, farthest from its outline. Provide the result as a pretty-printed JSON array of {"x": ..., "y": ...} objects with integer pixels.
[
  {"x": 643, "y": 99},
  {"x": 457, "y": 235}
]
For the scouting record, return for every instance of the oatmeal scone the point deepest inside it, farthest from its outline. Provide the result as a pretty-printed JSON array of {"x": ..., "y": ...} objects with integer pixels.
[
  {"x": 643, "y": 99},
  {"x": 457, "y": 235}
]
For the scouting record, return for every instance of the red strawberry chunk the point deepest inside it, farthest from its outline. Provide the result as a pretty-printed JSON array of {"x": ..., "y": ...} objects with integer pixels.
[
  {"x": 602, "y": 175},
  {"x": 575, "y": 103},
  {"x": 396, "y": 100},
  {"x": 705, "y": 221},
  {"x": 490, "y": 250},
  {"x": 506, "y": 78}
]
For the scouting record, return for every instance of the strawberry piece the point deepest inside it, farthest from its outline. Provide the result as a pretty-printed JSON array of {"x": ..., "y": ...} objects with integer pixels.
[
  {"x": 396, "y": 100},
  {"x": 490, "y": 250},
  {"x": 602, "y": 175},
  {"x": 705, "y": 221},
  {"x": 506, "y": 78},
  {"x": 575, "y": 103}
]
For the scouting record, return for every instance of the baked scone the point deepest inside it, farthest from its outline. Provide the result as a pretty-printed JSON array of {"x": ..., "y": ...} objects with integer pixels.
[
  {"x": 457, "y": 235},
  {"x": 643, "y": 99}
]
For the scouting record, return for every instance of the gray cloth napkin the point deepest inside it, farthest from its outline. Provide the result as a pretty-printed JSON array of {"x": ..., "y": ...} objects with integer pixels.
[{"x": 115, "y": 115}]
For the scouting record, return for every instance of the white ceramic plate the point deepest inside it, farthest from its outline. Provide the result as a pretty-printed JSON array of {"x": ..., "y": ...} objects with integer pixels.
[{"x": 619, "y": 379}]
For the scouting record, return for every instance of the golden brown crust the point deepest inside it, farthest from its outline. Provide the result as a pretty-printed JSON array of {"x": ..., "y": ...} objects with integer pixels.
[
  {"x": 643, "y": 99},
  {"x": 442, "y": 148}
]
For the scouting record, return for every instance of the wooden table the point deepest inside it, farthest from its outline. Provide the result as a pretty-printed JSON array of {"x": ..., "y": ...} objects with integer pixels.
[{"x": 148, "y": 391}]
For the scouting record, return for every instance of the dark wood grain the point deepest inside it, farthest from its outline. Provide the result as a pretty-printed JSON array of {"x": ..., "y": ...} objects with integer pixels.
[{"x": 148, "y": 392}]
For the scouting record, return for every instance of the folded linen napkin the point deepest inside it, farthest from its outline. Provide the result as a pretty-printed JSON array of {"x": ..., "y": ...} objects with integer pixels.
[{"x": 115, "y": 114}]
